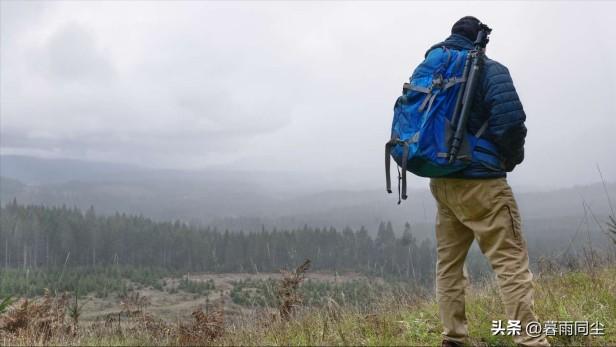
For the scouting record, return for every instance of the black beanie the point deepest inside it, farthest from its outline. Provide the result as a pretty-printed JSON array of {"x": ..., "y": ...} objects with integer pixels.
[{"x": 467, "y": 26}]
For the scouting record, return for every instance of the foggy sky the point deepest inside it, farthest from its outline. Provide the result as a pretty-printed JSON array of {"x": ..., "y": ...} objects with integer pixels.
[{"x": 289, "y": 86}]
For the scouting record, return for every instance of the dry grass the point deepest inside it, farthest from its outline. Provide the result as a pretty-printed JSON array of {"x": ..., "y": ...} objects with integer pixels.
[
  {"x": 287, "y": 290},
  {"x": 204, "y": 329},
  {"x": 404, "y": 319},
  {"x": 39, "y": 321}
]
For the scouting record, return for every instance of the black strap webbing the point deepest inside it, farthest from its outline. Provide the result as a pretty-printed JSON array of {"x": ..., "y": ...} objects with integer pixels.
[
  {"x": 399, "y": 179},
  {"x": 401, "y": 176},
  {"x": 405, "y": 155},
  {"x": 388, "y": 146}
]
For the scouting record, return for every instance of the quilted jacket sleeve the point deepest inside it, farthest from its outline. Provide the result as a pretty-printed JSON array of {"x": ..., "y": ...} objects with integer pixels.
[{"x": 506, "y": 114}]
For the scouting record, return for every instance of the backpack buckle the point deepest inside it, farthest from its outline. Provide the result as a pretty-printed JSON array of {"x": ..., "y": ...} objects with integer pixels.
[{"x": 437, "y": 81}]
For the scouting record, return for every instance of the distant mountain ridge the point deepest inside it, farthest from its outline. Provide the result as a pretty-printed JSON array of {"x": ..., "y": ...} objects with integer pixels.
[{"x": 247, "y": 201}]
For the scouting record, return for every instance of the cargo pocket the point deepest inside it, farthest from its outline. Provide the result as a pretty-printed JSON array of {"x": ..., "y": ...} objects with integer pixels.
[{"x": 515, "y": 224}]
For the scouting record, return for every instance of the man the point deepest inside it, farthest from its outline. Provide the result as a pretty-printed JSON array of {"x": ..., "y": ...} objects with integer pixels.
[{"x": 478, "y": 204}]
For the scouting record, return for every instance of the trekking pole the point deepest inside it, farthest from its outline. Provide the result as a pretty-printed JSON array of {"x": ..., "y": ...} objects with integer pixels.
[
  {"x": 477, "y": 56},
  {"x": 456, "y": 110}
]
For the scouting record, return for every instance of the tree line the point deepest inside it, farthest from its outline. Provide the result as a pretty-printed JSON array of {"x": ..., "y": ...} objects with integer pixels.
[{"x": 54, "y": 237}]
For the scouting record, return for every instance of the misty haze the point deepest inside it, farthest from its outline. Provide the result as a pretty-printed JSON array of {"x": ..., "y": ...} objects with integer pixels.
[{"x": 162, "y": 162}]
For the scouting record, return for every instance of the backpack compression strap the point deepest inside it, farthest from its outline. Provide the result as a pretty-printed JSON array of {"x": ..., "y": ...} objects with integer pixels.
[
  {"x": 401, "y": 176},
  {"x": 441, "y": 83},
  {"x": 388, "y": 147},
  {"x": 438, "y": 83}
]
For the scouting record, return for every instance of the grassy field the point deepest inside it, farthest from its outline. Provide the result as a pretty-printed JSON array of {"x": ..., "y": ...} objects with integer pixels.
[
  {"x": 570, "y": 297},
  {"x": 395, "y": 319}
]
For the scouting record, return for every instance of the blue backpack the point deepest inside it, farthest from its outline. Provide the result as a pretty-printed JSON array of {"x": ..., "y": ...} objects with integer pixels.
[{"x": 422, "y": 129}]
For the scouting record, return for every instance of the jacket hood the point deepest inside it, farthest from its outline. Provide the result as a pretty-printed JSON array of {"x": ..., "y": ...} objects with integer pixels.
[{"x": 455, "y": 41}]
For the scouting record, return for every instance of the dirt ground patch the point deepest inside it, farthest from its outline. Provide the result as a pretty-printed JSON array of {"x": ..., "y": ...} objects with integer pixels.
[{"x": 178, "y": 305}]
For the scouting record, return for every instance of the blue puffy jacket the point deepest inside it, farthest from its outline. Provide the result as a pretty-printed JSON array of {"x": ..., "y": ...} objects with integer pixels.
[{"x": 496, "y": 101}]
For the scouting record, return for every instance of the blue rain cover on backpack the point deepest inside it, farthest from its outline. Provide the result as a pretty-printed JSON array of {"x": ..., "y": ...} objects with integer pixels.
[{"x": 421, "y": 129}]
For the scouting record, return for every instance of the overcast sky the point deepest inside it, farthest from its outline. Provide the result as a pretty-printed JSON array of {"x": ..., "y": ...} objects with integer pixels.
[{"x": 289, "y": 86}]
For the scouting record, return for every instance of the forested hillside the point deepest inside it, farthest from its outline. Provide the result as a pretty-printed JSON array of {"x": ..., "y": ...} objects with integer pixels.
[{"x": 52, "y": 237}]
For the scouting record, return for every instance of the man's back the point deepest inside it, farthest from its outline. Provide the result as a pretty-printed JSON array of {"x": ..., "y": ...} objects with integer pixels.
[{"x": 497, "y": 102}]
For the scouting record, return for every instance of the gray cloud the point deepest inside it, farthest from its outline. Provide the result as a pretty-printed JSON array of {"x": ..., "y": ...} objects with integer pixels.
[
  {"x": 288, "y": 85},
  {"x": 71, "y": 55}
]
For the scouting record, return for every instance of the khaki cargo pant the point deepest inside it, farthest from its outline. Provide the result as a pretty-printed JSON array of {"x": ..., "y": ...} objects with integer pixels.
[{"x": 485, "y": 210}]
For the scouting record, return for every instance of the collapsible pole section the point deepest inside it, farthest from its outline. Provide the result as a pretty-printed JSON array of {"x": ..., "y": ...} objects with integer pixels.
[
  {"x": 469, "y": 92},
  {"x": 456, "y": 111}
]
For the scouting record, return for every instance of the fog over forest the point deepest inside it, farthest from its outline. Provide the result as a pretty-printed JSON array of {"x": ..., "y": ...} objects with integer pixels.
[
  {"x": 176, "y": 111},
  {"x": 289, "y": 89}
]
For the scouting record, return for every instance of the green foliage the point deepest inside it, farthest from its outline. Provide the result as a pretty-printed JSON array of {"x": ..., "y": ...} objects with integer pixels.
[
  {"x": 5, "y": 303},
  {"x": 611, "y": 225},
  {"x": 75, "y": 309},
  {"x": 196, "y": 287},
  {"x": 251, "y": 292},
  {"x": 101, "y": 281}
]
